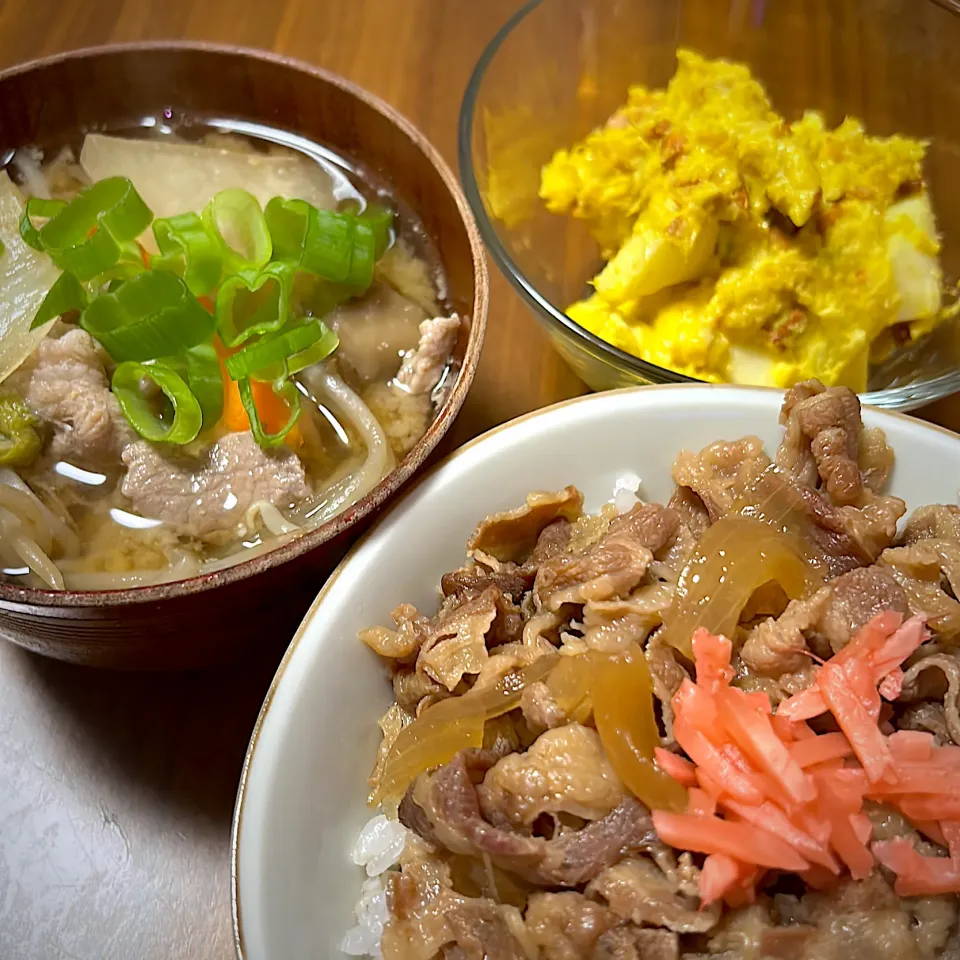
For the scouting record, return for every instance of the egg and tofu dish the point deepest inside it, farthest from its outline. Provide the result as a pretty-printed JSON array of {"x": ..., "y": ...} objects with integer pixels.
[{"x": 741, "y": 248}]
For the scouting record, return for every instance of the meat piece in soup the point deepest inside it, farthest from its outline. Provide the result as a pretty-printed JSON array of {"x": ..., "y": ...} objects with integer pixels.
[{"x": 252, "y": 355}]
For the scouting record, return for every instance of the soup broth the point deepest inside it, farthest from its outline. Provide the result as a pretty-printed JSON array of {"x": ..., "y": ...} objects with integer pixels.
[{"x": 99, "y": 507}]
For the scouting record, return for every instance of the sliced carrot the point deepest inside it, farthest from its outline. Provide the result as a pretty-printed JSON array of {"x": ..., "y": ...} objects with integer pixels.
[
  {"x": 700, "y": 803},
  {"x": 755, "y": 736},
  {"x": 733, "y": 780},
  {"x": 737, "y": 840},
  {"x": 918, "y": 876},
  {"x": 854, "y": 720},
  {"x": 711, "y": 656},
  {"x": 769, "y": 817},
  {"x": 719, "y": 875},
  {"x": 680, "y": 768},
  {"x": 272, "y": 409},
  {"x": 826, "y": 747}
]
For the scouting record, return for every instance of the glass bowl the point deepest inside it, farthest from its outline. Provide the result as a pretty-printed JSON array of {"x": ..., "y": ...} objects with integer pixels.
[{"x": 559, "y": 68}]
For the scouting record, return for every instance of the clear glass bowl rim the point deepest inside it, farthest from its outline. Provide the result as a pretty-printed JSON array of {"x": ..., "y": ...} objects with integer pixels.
[{"x": 904, "y": 397}]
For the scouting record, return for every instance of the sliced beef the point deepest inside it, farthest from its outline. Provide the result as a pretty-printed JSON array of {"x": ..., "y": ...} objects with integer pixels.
[
  {"x": 928, "y": 717},
  {"x": 458, "y": 642},
  {"x": 822, "y": 440},
  {"x": 928, "y": 570},
  {"x": 855, "y": 599},
  {"x": 738, "y": 476},
  {"x": 414, "y": 690},
  {"x": 565, "y": 770},
  {"x": 638, "y": 891},
  {"x": 827, "y": 620},
  {"x": 540, "y": 710},
  {"x": 936, "y": 677},
  {"x": 934, "y": 521},
  {"x": 470, "y": 581},
  {"x": 450, "y": 802},
  {"x": 481, "y": 930},
  {"x": 610, "y": 568},
  {"x": 611, "y": 625},
  {"x": 402, "y": 644},
  {"x": 208, "y": 498},
  {"x": 779, "y": 645},
  {"x": 427, "y": 916},
  {"x": 422, "y": 368},
  {"x": 858, "y": 920},
  {"x": 566, "y": 926},
  {"x": 513, "y": 534},
  {"x": 630, "y": 942},
  {"x": 65, "y": 384}
]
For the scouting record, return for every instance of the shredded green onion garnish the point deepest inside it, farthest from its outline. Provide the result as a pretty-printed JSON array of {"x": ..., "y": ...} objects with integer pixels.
[
  {"x": 200, "y": 367},
  {"x": 268, "y": 358},
  {"x": 41, "y": 209},
  {"x": 66, "y": 294},
  {"x": 287, "y": 390},
  {"x": 338, "y": 246},
  {"x": 152, "y": 315},
  {"x": 87, "y": 236},
  {"x": 235, "y": 218},
  {"x": 187, "y": 247},
  {"x": 19, "y": 441},
  {"x": 253, "y": 304},
  {"x": 187, "y": 415},
  {"x": 380, "y": 220},
  {"x": 247, "y": 260}
]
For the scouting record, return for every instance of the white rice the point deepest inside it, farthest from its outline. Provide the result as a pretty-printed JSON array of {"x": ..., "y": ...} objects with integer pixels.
[
  {"x": 625, "y": 491},
  {"x": 377, "y": 849}
]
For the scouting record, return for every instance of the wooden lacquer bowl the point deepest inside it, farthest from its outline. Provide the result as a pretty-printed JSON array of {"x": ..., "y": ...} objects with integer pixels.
[{"x": 52, "y": 102}]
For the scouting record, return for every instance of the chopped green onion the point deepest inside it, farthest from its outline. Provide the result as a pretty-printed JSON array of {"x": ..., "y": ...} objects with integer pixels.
[
  {"x": 3, "y": 248},
  {"x": 66, "y": 294},
  {"x": 42, "y": 209},
  {"x": 200, "y": 367},
  {"x": 187, "y": 247},
  {"x": 88, "y": 235},
  {"x": 254, "y": 303},
  {"x": 287, "y": 390},
  {"x": 380, "y": 219},
  {"x": 235, "y": 218},
  {"x": 337, "y": 246},
  {"x": 277, "y": 351},
  {"x": 19, "y": 442},
  {"x": 187, "y": 415},
  {"x": 151, "y": 315}
]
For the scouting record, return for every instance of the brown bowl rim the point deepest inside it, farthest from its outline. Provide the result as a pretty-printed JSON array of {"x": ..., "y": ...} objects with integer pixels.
[{"x": 393, "y": 481}]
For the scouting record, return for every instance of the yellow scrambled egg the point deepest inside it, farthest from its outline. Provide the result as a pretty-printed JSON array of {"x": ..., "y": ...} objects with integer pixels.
[{"x": 741, "y": 248}]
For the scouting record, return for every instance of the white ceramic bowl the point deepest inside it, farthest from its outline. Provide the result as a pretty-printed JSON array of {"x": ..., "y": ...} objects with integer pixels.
[{"x": 301, "y": 801}]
